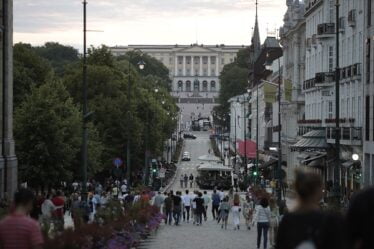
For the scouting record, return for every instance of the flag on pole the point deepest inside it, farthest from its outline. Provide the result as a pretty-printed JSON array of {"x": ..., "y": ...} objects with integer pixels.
[
  {"x": 270, "y": 92},
  {"x": 288, "y": 90}
]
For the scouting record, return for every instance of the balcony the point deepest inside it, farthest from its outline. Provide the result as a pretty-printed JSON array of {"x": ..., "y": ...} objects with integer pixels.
[
  {"x": 325, "y": 30},
  {"x": 348, "y": 135},
  {"x": 352, "y": 71},
  {"x": 311, "y": 6},
  {"x": 310, "y": 121},
  {"x": 308, "y": 84},
  {"x": 322, "y": 79},
  {"x": 352, "y": 18}
]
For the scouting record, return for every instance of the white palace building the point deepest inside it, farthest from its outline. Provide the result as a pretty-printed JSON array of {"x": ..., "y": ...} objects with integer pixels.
[{"x": 194, "y": 71}]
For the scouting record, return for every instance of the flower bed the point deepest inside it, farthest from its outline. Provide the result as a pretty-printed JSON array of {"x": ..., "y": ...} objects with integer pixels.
[{"x": 113, "y": 229}]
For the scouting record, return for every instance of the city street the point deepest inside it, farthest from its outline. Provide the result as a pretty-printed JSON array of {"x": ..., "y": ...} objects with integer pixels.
[{"x": 209, "y": 235}]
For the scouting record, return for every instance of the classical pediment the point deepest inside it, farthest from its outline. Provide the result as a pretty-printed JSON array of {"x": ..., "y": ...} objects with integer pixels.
[{"x": 196, "y": 49}]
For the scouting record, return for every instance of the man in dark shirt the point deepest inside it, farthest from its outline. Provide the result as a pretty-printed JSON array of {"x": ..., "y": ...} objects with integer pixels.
[
  {"x": 168, "y": 206},
  {"x": 199, "y": 208},
  {"x": 177, "y": 202},
  {"x": 216, "y": 200}
]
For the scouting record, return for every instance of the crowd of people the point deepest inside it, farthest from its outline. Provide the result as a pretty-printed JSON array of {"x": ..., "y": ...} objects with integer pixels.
[{"x": 307, "y": 226}]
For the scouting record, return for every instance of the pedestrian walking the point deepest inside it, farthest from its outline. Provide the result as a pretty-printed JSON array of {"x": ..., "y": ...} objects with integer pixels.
[
  {"x": 168, "y": 206},
  {"x": 274, "y": 222},
  {"x": 181, "y": 179},
  {"x": 191, "y": 178},
  {"x": 193, "y": 207},
  {"x": 307, "y": 226},
  {"x": 158, "y": 201},
  {"x": 47, "y": 210},
  {"x": 360, "y": 220},
  {"x": 236, "y": 209},
  {"x": 18, "y": 230},
  {"x": 187, "y": 205},
  {"x": 185, "y": 180},
  {"x": 216, "y": 200},
  {"x": 177, "y": 207},
  {"x": 199, "y": 202},
  {"x": 248, "y": 212},
  {"x": 224, "y": 210},
  {"x": 206, "y": 204},
  {"x": 58, "y": 213},
  {"x": 262, "y": 218}
]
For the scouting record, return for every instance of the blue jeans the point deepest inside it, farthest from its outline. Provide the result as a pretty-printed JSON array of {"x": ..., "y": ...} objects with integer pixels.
[
  {"x": 262, "y": 226},
  {"x": 169, "y": 217},
  {"x": 177, "y": 215}
]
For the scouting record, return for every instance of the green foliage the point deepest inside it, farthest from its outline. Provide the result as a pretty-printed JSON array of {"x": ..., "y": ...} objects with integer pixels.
[
  {"x": 47, "y": 131},
  {"x": 29, "y": 70},
  {"x": 58, "y": 55}
]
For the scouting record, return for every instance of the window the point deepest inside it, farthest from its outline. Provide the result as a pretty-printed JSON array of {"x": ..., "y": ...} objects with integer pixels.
[
  {"x": 330, "y": 109},
  {"x": 367, "y": 118},
  {"x": 231, "y": 60},
  {"x": 180, "y": 60},
  {"x": 188, "y": 72},
  {"x": 213, "y": 72},
  {"x": 205, "y": 86},
  {"x": 196, "y": 60},
  {"x": 213, "y": 86},
  {"x": 179, "y": 71},
  {"x": 213, "y": 60},
  {"x": 205, "y": 72},
  {"x": 188, "y": 60},
  {"x": 368, "y": 51},
  {"x": 331, "y": 58},
  {"x": 196, "y": 86},
  {"x": 205, "y": 60},
  {"x": 180, "y": 85},
  {"x": 223, "y": 61},
  {"x": 188, "y": 86},
  {"x": 369, "y": 12}
]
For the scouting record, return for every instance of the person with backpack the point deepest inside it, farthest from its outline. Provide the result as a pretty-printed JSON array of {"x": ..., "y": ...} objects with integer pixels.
[
  {"x": 307, "y": 227},
  {"x": 216, "y": 200},
  {"x": 224, "y": 210},
  {"x": 199, "y": 202},
  {"x": 168, "y": 207},
  {"x": 191, "y": 180}
]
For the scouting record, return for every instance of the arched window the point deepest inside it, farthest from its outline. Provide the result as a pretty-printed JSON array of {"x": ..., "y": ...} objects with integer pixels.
[
  {"x": 188, "y": 86},
  {"x": 205, "y": 86},
  {"x": 213, "y": 86},
  {"x": 180, "y": 85},
  {"x": 196, "y": 85}
]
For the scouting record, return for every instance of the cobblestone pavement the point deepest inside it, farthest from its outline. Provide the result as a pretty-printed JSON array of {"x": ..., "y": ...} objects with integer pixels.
[{"x": 209, "y": 235}]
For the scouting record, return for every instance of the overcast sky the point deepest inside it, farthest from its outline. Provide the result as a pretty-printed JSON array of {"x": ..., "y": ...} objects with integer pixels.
[{"x": 126, "y": 22}]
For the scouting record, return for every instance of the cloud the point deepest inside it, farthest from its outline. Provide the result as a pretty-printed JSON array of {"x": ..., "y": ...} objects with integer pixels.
[{"x": 150, "y": 21}]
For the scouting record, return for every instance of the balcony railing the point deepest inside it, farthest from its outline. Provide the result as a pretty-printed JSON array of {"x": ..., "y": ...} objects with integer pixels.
[
  {"x": 326, "y": 30},
  {"x": 322, "y": 78},
  {"x": 308, "y": 84},
  {"x": 353, "y": 134}
]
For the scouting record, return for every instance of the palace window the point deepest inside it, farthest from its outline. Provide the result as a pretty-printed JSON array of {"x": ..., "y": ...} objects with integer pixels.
[
  {"x": 205, "y": 86},
  {"x": 213, "y": 86},
  {"x": 180, "y": 85},
  {"x": 188, "y": 86},
  {"x": 196, "y": 85}
]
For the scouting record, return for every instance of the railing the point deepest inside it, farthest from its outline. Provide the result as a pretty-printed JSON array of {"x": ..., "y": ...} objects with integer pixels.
[
  {"x": 325, "y": 29},
  {"x": 322, "y": 78},
  {"x": 346, "y": 133},
  {"x": 308, "y": 84}
]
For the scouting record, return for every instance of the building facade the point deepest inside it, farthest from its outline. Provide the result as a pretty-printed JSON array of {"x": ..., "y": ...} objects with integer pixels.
[
  {"x": 319, "y": 84},
  {"x": 368, "y": 85},
  {"x": 194, "y": 71},
  {"x": 8, "y": 160},
  {"x": 293, "y": 38}
]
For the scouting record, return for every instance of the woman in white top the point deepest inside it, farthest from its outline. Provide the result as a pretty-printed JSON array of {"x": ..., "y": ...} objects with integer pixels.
[{"x": 262, "y": 218}]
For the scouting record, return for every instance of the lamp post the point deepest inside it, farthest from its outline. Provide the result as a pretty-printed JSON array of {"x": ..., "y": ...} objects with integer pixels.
[
  {"x": 336, "y": 188},
  {"x": 85, "y": 106},
  {"x": 141, "y": 65}
]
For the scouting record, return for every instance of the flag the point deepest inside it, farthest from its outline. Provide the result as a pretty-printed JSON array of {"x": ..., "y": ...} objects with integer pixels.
[
  {"x": 270, "y": 92},
  {"x": 288, "y": 90}
]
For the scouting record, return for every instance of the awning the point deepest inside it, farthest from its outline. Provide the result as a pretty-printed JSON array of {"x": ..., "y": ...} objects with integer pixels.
[
  {"x": 248, "y": 145},
  {"x": 351, "y": 163},
  {"x": 213, "y": 167},
  {"x": 314, "y": 139},
  {"x": 313, "y": 158},
  {"x": 209, "y": 158},
  {"x": 269, "y": 163}
]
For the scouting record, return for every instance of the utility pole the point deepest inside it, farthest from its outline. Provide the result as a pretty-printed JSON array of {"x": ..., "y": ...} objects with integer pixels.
[
  {"x": 85, "y": 107},
  {"x": 279, "y": 169},
  {"x": 337, "y": 111}
]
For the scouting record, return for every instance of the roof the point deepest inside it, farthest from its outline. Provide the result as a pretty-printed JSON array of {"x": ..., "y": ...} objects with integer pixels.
[
  {"x": 213, "y": 167},
  {"x": 314, "y": 139},
  {"x": 209, "y": 158}
]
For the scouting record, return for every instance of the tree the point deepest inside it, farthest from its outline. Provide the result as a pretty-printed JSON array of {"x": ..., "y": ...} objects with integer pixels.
[
  {"x": 30, "y": 70},
  {"x": 58, "y": 55},
  {"x": 48, "y": 135}
]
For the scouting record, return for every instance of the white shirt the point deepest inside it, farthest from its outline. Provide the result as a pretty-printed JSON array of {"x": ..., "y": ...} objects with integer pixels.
[
  {"x": 123, "y": 188},
  {"x": 193, "y": 203},
  {"x": 221, "y": 195},
  {"x": 262, "y": 214},
  {"x": 186, "y": 200}
]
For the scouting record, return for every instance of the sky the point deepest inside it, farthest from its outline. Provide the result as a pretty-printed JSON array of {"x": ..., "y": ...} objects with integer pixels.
[{"x": 124, "y": 22}]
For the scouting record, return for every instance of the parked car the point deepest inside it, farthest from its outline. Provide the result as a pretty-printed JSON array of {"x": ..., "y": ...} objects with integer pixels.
[
  {"x": 189, "y": 136},
  {"x": 186, "y": 156}
]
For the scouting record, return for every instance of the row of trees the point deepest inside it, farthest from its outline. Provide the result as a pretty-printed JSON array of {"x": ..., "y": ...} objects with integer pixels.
[
  {"x": 234, "y": 81},
  {"x": 48, "y": 110}
]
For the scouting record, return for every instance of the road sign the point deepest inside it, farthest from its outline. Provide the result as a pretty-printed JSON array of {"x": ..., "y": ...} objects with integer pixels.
[
  {"x": 117, "y": 162},
  {"x": 162, "y": 173}
]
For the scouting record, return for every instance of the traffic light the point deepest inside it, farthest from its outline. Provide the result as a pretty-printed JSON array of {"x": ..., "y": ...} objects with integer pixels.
[
  {"x": 154, "y": 167},
  {"x": 255, "y": 173}
]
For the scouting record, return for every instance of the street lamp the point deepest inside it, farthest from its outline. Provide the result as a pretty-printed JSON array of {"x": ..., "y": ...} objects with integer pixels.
[
  {"x": 141, "y": 65},
  {"x": 355, "y": 157}
]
